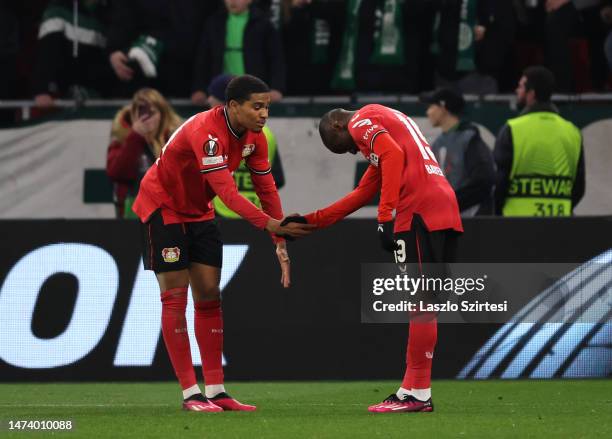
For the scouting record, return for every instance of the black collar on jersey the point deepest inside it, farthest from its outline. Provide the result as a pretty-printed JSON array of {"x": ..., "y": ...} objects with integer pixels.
[{"x": 229, "y": 126}]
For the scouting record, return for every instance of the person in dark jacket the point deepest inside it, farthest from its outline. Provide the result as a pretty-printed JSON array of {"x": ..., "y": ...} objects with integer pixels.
[
  {"x": 464, "y": 157},
  {"x": 474, "y": 39},
  {"x": 153, "y": 42},
  {"x": 239, "y": 39},
  {"x": 9, "y": 51},
  {"x": 72, "y": 38},
  {"x": 539, "y": 155},
  {"x": 312, "y": 35}
]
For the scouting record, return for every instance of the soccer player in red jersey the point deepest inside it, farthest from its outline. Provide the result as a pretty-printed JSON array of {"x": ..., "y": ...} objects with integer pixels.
[
  {"x": 426, "y": 224},
  {"x": 181, "y": 240}
]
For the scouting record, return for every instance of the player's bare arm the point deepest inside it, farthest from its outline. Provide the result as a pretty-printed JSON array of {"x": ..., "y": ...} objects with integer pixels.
[{"x": 285, "y": 263}]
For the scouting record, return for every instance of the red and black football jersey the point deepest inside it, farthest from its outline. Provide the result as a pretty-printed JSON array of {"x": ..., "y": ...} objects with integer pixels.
[
  {"x": 402, "y": 167},
  {"x": 196, "y": 164}
]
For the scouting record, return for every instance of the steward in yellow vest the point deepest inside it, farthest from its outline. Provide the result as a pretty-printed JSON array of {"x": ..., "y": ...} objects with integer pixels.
[{"x": 539, "y": 155}]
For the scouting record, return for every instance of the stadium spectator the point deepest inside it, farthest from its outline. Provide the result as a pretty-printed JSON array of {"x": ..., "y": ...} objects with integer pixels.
[
  {"x": 418, "y": 220},
  {"x": 606, "y": 16},
  {"x": 9, "y": 47},
  {"x": 71, "y": 44},
  {"x": 464, "y": 157},
  {"x": 564, "y": 20},
  {"x": 473, "y": 39},
  {"x": 379, "y": 47},
  {"x": 181, "y": 240},
  {"x": 539, "y": 155},
  {"x": 239, "y": 39},
  {"x": 242, "y": 175},
  {"x": 608, "y": 49},
  {"x": 312, "y": 32},
  {"x": 139, "y": 132},
  {"x": 18, "y": 42},
  {"x": 152, "y": 43}
]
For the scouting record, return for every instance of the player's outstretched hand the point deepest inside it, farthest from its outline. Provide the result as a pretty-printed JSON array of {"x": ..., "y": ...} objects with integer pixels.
[
  {"x": 294, "y": 218},
  {"x": 292, "y": 229},
  {"x": 285, "y": 264},
  {"x": 385, "y": 234}
]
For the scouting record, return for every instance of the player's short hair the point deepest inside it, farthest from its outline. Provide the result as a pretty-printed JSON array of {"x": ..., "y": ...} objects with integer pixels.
[
  {"x": 334, "y": 132},
  {"x": 328, "y": 136},
  {"x": 242, "y": 87},
  {"x": 541, "y": 81}
]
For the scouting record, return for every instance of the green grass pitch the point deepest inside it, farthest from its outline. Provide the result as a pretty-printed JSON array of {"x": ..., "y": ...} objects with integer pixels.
[{"x": 463, "y": 409}]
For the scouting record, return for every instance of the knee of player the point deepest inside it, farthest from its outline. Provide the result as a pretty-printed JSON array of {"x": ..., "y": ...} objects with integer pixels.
[{"x": 210, "y": 293}]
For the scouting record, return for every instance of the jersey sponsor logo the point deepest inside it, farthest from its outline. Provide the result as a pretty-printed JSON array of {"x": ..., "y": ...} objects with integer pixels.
[
  {"x": 429, "y": 355},
  {"x": 373, "y": 158},
  {"x": 362, "y": 123},
  {"x": 369, "y": 131},
  {"x": 247, "y": 150},
  {"x": 211, "y": 147},
  {"x": 212, "y": 160},
  {"x": 171, "y": 254}
]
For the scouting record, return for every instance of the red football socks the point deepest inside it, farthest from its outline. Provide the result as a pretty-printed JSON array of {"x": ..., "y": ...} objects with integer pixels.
[
  {"x": 174, "y": 330},
  {"x": 421, "y": 343},
  {"x": 209, "y": 334}
]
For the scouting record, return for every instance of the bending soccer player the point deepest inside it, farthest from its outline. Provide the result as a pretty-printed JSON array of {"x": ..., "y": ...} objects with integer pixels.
[
  {"x": 181, "y": 240},
  {"x": 426, "y": 225}
]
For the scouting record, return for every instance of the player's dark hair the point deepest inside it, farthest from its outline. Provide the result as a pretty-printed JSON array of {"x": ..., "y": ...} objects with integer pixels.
[
  {"x": 241, "y": 87},
  {"x": 541, "y": 81}
]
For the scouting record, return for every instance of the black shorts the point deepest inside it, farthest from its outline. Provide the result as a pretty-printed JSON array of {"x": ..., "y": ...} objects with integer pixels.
[
  {"x": 424, "y": 253},
  {"x": 418, "y": 245},
  {"x": 173, "y": 247}
]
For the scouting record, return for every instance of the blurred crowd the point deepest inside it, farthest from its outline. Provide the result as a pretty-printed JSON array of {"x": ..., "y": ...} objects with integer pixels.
[{"x": 83, "y": 49}]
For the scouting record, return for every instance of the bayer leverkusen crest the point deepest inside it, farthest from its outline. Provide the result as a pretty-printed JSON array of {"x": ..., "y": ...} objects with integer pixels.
[
  {"x": 211, "y": 147},
  {"x": 171, "y": 254}
]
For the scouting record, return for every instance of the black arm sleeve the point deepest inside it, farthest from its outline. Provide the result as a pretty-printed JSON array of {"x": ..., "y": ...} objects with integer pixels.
[
  {"x": 580, "y": 180},
  {"x": 504, "y": 150},
  {"x": 480, "y": 171}
]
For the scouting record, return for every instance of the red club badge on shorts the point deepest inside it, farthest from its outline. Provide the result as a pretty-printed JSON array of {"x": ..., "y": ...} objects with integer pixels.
[
  {"x": 171, "y": 254},
  {"x": 211, "y": 147}
]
